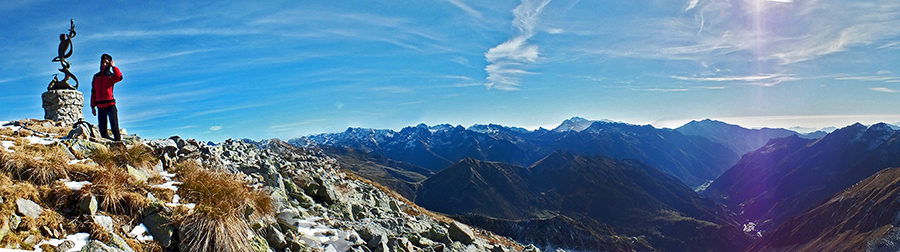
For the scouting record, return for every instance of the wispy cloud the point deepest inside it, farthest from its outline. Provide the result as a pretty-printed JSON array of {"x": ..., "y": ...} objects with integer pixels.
[
  {"x": 291, "y": 125},
  {"x": 662, "y": 90},
  {"x": 505, "y": 59},
  {"x": 465, "y": 7},
  {"x": 763, "y": 80},
  {"x": 215, "y": 128},
  {"x": 883, "y": 89}
]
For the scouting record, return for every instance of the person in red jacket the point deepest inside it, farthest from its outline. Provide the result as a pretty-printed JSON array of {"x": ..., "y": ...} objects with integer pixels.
[{"x": 102, "y": 96}]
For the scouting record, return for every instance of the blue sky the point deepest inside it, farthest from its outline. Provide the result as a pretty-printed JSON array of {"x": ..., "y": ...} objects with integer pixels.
[{"x": 265, "y": 69}]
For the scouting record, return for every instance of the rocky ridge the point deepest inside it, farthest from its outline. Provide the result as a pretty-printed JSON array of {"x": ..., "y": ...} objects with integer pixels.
[{"x": 317, "y": 207}]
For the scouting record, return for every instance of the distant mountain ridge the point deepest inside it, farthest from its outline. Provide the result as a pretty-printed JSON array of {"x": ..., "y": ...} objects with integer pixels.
[
  {"x": 739, "y": 139},
  {"x": 692, "y": 159},
  {"x": 624, "y": 195},
  {"x": 790, "y": 175},
  {"x": 865, "y": 216}
]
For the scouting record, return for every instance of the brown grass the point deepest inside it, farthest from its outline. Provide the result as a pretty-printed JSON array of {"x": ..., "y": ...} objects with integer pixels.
[
  {"x": 118, "y": 192},
  {"x": 36, "y": 163},
  {"x": 137, "y": 155},
  {"x": 219, "y": 221}
]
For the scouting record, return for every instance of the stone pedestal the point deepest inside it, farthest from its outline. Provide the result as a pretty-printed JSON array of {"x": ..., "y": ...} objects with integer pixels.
[{"x": 63, "y": 105}]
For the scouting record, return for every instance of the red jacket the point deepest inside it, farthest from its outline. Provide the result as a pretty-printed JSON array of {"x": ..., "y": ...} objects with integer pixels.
[{"x": 102, "y": 88}]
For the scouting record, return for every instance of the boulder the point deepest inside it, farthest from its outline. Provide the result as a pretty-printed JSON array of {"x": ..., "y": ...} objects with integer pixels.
[
  {"x": 275, "y": 238},
  {"x": 462, "y": 233},
  {"x": 160, "y": 227},
  {"x": 28, "y": 208},
  {"x": 97, "y": 246},
  {"x": 88, "y": 205}
]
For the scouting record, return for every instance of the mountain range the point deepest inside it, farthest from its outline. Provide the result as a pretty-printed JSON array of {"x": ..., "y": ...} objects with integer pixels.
[
  {"x": 692, "y": 159},
  {"x": 625, "y": 197},
  {"x": 790, "y": 175},
  {"x": 612, "y": 186}
]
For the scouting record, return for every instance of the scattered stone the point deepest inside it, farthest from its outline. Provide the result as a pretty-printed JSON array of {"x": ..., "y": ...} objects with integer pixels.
[
  {"x": 28, "y": 208},
  {"x": 97, "y": 246},
  {"x": 531, "y": 248},
  {"x": 88, "y": 205},
  {"x": 461, "y": 232},
  {"x": 65, "y": 246},
  {"x": 258, "y": 244},
  {"x": 160, "y": 227},
  {"x": 275, "y": 238}
]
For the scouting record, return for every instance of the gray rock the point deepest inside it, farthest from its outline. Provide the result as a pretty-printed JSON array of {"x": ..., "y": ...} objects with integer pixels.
[
  {"x": 531, "y": 248},
  {"x": 258, "y": 244},
  {"x": 28, "y": 208},
  {"x": 117, "y": 241},
  {"x": 88, "y": 205},
  {"x": 64, "y": 246},
  {"x": 436, "y": 233},
  {"x": 275, "y": 238},
  {"x": 405, "y": 245},
  {"x": 289, "y": 218},
  {"x": 104, "y": 221},
  {"x": 160, "y": 227},
  {"x": 499, "y": 248},
  {"x": 461, "y": 232},
  {"x": 14, "y": 222},
  {"x": 97, "y": 246}
]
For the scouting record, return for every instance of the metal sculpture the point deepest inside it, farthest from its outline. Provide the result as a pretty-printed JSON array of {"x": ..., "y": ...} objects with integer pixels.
[{"x": 65, "y": 51}]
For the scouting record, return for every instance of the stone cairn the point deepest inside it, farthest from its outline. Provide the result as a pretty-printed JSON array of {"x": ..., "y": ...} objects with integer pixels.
[
  {"x": 63, "y": 105},
  {"x": 62, "y": 102}
]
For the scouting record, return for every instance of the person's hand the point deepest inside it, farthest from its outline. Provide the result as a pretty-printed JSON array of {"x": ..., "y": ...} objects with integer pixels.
[
  {"x": 94, "y": 111},
  {"x": 112, "y": 63}
]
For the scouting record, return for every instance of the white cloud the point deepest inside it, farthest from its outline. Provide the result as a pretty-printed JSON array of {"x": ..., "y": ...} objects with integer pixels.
[
  {"x": 463, "y": 6},
  {"x": 215, "y": 128},
  {"x": 339, "y": 105},
  {"x": 763, "y": 80},
  {"x": 883, "y": 89},
  {"x": 505, "y": 59}
]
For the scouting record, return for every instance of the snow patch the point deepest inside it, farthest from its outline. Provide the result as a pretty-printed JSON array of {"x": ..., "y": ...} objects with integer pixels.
[
  {"x": 80, "y": 239},
  {"x": 8, "y": 144},
  {"x": 39, "y": 140},
  {"x": 141, "y": 233},
  {"x": 77, "y": 185}
]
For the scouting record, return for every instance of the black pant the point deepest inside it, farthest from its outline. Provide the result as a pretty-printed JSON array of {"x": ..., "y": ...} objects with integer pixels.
[{"x": 113, "y": 114}]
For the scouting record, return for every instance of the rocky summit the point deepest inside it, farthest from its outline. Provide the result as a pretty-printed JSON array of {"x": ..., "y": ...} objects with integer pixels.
[{"x": 179, "y": 194}]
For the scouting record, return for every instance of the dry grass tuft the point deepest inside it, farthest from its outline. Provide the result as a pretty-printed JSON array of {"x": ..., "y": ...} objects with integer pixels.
[
  {"x": 219, "y": 221},
  {"x": 204, "y": 232},
  {"x": 36, "y": 163},
  {"x": 84, "y": 172},
  {"x": 7, "y": 132},
  {"x": 117, "y": 192},
  {"x": 58, "y": 195},
  {"x": 137, "y": 155}
]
